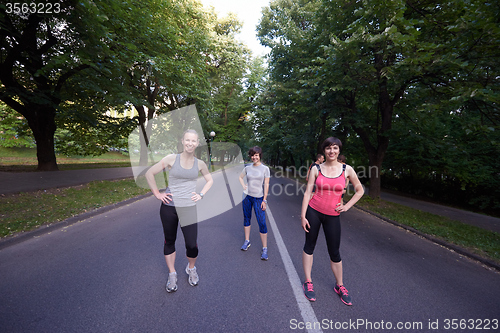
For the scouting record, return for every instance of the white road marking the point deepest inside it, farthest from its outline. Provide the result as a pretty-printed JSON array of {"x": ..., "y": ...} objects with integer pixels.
[{"x": 306, "y": 310}]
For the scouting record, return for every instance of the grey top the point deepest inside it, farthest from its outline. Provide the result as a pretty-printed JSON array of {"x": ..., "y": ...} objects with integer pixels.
[
  {"x": 255, "y": 179},
  {"x": 182, "y": 183}
]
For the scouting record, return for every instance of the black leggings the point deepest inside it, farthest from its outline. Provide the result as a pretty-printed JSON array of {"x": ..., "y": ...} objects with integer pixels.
[
  {"x": 170, "y": 220},
  {"x": 331, "y": 227}
]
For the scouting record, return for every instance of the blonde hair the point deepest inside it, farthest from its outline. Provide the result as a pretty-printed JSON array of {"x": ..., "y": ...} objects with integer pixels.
[{"x": 190, "y": 131}]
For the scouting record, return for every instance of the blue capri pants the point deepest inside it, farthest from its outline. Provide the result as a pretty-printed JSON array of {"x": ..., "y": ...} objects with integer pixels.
[{"x": 247, "y": 204}]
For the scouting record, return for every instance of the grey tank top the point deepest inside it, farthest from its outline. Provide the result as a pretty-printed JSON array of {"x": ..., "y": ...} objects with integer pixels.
[{"x": 182, "y": 183}]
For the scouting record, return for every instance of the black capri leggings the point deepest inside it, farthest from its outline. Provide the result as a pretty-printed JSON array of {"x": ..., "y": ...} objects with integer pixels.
[
  {"x": 170, "y": 220},
  {"x": 331, "y": 227}
]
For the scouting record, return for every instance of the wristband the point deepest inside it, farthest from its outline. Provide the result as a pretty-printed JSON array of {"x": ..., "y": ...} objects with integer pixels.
[
  {"x": 265, "y": 201},
  {"x": 201, "y": 195}
]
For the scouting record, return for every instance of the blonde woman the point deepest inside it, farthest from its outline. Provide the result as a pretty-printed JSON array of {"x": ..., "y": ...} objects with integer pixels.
[{"x": 179, "y": 204}]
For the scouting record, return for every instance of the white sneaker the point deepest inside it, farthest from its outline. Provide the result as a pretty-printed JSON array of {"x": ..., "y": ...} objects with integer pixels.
[
  {"x": 193, "y": 278},
  {"x": 171, "y": 282}
]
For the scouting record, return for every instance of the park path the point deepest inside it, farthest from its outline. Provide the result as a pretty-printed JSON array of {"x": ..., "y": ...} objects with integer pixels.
[
  {"x": 107, "y": 273},
  {"x": 15, "y": 182}
]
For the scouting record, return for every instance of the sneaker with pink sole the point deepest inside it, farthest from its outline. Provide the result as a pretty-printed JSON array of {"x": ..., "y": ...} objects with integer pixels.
[{"x": 343, "y": 293}]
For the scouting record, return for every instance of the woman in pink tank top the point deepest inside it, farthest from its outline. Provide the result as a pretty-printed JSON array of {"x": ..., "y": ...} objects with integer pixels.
[{"x": 323, "y": 209}]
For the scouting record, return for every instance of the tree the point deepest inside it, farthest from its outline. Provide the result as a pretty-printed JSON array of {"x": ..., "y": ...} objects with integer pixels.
[
  {"x": 368, "y": 63},
  {"x": 41, "y": 56},
  {"x": 69, "y": 68},
  {"x": 168, "y": 69},
  {"x": 356, "y": 68},
  {"x": 14, "y": 131},
  {"x": 246, "y": 105},
  {"x": 453, "y": 135},
  {"x": 229, "y": 62},
  {"x": 379, "y": 54},
  {"x": 292, "y": 111}
]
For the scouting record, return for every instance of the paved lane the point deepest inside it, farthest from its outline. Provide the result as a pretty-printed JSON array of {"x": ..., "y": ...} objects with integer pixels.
[
  {"x": 393, "y": 275},
  {"x": 107, "y": 274},
  {"x": 14, "y": 182}
]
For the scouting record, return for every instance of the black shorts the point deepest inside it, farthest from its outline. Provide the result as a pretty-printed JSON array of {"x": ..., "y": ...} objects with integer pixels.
[{"x": 331, "y": 228}]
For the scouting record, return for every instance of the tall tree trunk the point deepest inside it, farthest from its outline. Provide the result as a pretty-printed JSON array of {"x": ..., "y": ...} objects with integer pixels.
[
  {"x": 227, "y": 104},
  {"x": 322, "y": 134},
  {"x": 42, "y": 122},
  {"x": 143, "y": 137},
  {"x": 375, "y": 165},
  {"x": 376, "y": 153},
  {"x": 144, "y": 131}
]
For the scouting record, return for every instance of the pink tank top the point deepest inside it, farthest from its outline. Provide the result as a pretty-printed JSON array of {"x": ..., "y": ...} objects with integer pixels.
[{"x": 328, "y": 193}]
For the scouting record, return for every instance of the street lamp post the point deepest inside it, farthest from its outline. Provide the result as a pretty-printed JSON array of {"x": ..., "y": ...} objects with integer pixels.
[{"x": 212, "y": 135}]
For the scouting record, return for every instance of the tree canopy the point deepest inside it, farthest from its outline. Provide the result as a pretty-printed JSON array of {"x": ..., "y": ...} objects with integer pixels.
[
  {"x": 404, "y": 81},
  {"x": 70, "y": 68},
  {"x": 411, "y": 87}
]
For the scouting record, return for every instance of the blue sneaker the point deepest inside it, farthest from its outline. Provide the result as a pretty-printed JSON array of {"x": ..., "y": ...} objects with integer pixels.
[
  {"x": 246, "y": 245},
  {"x": 343, "y": 293},
  {"x": 263, "y": 256},
  {"x": 309, "y": 291}
]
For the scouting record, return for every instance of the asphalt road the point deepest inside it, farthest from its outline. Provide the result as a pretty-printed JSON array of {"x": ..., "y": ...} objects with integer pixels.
[
  {"x": 15, "y": 182},
  {"x": 107, "y": 274}
]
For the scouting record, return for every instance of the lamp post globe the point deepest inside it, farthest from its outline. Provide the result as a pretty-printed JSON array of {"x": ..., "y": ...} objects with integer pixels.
[{"x": 212, "y": 135}]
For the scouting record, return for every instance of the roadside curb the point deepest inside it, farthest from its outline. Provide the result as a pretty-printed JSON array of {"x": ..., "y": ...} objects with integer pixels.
[
  {"x": 441, "y": 242},
  {"x": 23, "y": 236}
]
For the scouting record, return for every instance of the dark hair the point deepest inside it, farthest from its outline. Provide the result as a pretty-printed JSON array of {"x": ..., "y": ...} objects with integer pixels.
[
  {"x": 318, "y": 156},
  {"x": 331, "y": 141},
  {"x": 341, "y": 159},
  {"x": 255, "y": 150}
]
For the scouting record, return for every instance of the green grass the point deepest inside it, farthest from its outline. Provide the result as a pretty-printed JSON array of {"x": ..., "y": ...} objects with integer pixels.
[
  {"x": 17, "y": 152},
  {"x": 26, "y": 211},
  {"x": 482, "y": 242},
  {"x": 24, "y": 160}
]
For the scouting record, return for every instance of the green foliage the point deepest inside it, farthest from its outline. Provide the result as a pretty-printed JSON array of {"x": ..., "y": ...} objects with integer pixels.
[
  {"x": 291, "y": 116},
  {"x": 412, "y": 84},
  {"x": 229, "y": 67},
  {"x": 77, "y": 137},
  {"x": 444, "y": 147},
  {"x": 64, "y": 72},
  {"x": 449, "y": 157},
  {"x": 14, "y": 131}
]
